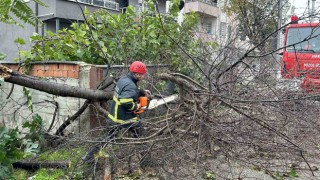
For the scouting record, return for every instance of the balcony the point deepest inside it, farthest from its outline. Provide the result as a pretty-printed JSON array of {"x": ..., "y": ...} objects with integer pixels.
[
  {"x": 102, "y": 3},
  {"x": 205, "y": 37},
  {"x": 205, "y": 7}
]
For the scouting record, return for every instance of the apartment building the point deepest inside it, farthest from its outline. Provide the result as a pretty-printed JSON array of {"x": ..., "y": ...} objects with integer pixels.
[
  {"x": 57, "y": 15},
  {"x": 214, "y": 24}
]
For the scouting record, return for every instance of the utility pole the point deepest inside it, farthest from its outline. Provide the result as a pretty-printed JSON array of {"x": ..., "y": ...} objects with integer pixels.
[
  {"x": 279, "y": 34},
  {"x": 279, "y": 23},
  {"x": 313, "y": 10}
]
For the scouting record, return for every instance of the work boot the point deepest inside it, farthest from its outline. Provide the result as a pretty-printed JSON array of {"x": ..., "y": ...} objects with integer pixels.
[{"x": 89, "y": 157}]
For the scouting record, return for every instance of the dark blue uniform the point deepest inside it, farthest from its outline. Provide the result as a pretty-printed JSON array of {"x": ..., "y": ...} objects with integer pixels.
[
  {"x": 125, "y": 100},
  {"x": 122, "y": 114}
]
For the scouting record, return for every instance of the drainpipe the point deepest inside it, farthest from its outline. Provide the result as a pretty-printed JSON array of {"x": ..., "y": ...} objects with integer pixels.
[
  {"x": 57, "y": 24},
  {"x": 36, "y": 11},
  {"x": 279, "y": 33}
]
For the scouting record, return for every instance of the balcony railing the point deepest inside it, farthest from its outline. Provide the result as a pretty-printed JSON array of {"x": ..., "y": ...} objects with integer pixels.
[
  {"x": 210, "y": 2},
  {"x": 102, "y": 3}
]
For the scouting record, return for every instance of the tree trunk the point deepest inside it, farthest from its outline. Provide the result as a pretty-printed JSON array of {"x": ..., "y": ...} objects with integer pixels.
[
  {"x": 38, "y": 165},
  {"x": 15, "y": 77}
]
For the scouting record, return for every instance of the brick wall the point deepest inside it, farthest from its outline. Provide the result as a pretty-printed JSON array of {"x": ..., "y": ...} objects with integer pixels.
[{"x": 57, "y": 70}]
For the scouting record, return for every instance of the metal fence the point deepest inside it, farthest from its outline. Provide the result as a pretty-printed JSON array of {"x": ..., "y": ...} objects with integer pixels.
[{"x": 102, "y": 3}]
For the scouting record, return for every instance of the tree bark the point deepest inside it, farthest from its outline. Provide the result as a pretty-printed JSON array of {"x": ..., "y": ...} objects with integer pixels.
[
  {"x": 38, "y": 165},
  {"x": 15, "y": 77}
]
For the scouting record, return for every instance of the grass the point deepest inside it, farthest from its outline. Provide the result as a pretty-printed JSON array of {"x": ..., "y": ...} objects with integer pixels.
[
  {"x": 63, "y": 154},
  {"x": 49, "y": 174},
  {"x": 21, "y": 174}
]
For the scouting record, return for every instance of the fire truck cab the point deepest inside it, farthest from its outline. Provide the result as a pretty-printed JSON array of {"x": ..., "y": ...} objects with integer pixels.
[{"x": 301, "y": 54}]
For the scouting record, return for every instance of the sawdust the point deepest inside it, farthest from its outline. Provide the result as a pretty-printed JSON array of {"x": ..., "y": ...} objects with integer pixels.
[{"x": 5, "y": 72}]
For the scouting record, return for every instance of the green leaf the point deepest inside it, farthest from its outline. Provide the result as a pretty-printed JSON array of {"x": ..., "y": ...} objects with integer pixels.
[
  {"x": 130, "y": 10},
  {"x": 20, "y": 41},
  {"x": 292, "y": 174},
  {"x": 27, "y": 93},
  {"x": 5, "y": 172},
  {"x": 80, "y": 53},
  {"x": 31, "y": 148},
  {"x": 109, "y": 37},
  {"x": 150, "y": 5},
  {"x": 69, "y": 45},
  {"x": 3, "y": 131},
  {"x": 2, "y": 56},
  {"x": 210, "y": 175},
  {"x": 35, "y": 125},
  {"x": 10, "y": 10},
  {"x": 10, "y": 152}
]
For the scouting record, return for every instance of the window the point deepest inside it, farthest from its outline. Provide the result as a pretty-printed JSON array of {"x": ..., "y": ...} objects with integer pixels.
[
  {"x": 222, "y": 29},
  {"x": 296, "y": 37},
  {"x": 98, "y": 2},
  {"x": 102, "y": 3},
  {"x": 229, "y": 31},
  {"x": 211, "y": 2},
  {"x": 86, "y": 1},
  {"x": 208, "y": 28}
]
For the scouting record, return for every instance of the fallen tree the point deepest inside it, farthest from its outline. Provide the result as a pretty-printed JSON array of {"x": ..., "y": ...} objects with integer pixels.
[
  {"x": 211, "y": 122},
  {"x": 46, "y": 164},
  {"x": 15, "y": 77}
]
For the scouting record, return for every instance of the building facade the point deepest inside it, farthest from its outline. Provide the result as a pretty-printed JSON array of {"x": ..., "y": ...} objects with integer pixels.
[
  {"x": 57, "y": 15},
  {"x": 214, "y": 24}
]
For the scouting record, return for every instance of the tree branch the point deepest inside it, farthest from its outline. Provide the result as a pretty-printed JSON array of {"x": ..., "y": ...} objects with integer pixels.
[{"x": 15, "y": 77}]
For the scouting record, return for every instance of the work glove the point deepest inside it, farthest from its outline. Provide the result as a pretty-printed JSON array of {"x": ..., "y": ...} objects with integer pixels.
[
  {"x": 139, "y": 107},
  {"x": 148, "y": 94}
]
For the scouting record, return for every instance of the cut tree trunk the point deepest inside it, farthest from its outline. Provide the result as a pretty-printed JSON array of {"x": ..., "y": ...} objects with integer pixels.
[
  {"x": 63, "y": 90},
  {"x": 38, "y": 165}
]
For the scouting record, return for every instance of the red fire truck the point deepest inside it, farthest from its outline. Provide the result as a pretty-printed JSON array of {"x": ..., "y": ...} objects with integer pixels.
[{"x": 301, "y": 55}]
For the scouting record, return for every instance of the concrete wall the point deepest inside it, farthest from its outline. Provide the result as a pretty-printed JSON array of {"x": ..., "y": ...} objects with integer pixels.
[
  {"x": 201, "y": 7},
  {"x": 8, "y": 33},
  {"x": 14, "y": 111}
]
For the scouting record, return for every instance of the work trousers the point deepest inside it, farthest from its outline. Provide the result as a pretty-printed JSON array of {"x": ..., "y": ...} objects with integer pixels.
[{"x": 136, "y": 129}]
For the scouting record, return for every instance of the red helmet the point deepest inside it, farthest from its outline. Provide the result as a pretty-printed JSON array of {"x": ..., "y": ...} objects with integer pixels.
[{"x": 138, "y": 67}]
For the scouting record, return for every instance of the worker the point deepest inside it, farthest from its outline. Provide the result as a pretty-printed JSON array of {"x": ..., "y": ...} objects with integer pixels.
[{"x": 124, "y": 107}]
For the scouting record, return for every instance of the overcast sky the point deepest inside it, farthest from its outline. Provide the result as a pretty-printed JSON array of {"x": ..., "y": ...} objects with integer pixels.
[{"x": 301, "y": 6}]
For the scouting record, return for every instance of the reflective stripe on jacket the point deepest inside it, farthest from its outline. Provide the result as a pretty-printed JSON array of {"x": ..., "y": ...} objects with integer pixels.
[{"x": 125, "y": 100}]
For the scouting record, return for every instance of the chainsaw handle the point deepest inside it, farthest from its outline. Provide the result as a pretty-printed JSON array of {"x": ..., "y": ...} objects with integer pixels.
[
  {"x": 143, "y": 103},
  {"x": 138, "y": 111}
]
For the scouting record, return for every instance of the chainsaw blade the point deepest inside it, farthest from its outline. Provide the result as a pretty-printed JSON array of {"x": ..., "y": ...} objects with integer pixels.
[{"x": 157, "y": 102}]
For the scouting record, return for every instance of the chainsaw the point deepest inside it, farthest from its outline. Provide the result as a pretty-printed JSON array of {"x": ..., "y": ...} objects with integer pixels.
[{"x": 146, "y": 103}]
